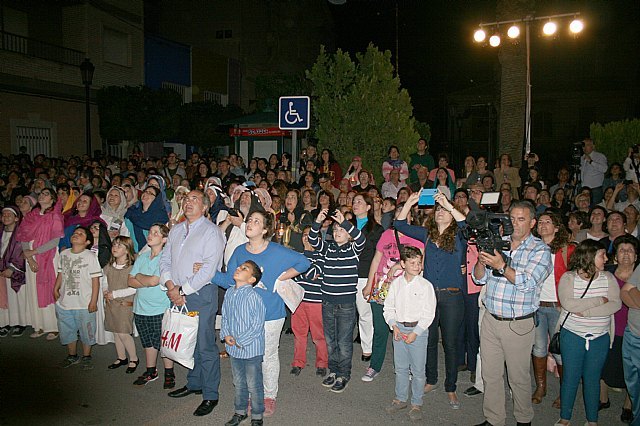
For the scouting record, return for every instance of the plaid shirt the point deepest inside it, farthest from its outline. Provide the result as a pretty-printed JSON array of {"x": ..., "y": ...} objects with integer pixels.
[{"x": 532, "y": 263}]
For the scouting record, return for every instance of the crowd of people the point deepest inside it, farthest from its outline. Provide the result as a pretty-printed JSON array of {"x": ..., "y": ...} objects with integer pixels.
[{"x": 97, "y": 250}]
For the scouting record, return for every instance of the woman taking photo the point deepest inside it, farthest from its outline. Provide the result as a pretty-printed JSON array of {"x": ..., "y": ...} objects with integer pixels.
[
  {"x": 363, "y": 210},
  {"x": 278, "y": 262},
  {"x": 444, "y": 267},
  {"x": 589, "y": 297},
  {"x": 626, "y": 259},
  {"x": 552, "y": 231},
  {"x": 294, "y": 219}
]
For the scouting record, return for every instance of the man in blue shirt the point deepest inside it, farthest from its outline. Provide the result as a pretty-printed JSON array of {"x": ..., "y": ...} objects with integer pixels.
[
  {"x": 196, "y": 240},
  {"x": 508, "y": 327}
]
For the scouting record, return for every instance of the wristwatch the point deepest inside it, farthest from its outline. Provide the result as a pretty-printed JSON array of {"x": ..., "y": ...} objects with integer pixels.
[
  {"x": 501, "y": 270},
  {"x": 180, "y": 292}
]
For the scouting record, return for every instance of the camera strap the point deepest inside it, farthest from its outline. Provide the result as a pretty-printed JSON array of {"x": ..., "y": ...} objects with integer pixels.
[{"x": 636, "y": 167}]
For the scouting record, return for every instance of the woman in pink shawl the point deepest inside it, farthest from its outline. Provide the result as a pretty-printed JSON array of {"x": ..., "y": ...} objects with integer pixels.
[
  {"x": 86, "y": 210},
  {"x": 39, "y": 234}
]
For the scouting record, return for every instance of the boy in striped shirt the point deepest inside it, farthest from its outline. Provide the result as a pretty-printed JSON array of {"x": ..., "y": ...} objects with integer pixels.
[
  {"x": 340, "y": 278},
  {"x": 242, "y": 330}
]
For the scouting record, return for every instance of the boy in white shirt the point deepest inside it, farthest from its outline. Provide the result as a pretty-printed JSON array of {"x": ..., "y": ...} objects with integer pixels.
[
  {"x": 409, "y": 309},
  {"x": 76, "y": 294}
]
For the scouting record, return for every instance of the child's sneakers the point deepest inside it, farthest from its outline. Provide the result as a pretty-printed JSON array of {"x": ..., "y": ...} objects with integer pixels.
[
  {"x": 87, "y": 363},
  {"x": 146, "y": 378},
  {"x": 69, "y": 361},
  {"x": 340, "y": 385},
  {"x": 5, "y": 331},
  {"x": 369, "y": 375},
  {"x": 395, "y": 406},
  {"x": 329, "y": 380},
  {"x": 169, "y": 380}
]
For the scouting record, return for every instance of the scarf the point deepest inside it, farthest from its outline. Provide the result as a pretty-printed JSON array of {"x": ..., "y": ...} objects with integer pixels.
[
  {"x": 142, "y": 221},
  {"x": 41, "y": 229},
  {"x": 118, "y": 212},
  {"x": 163, "y": 194},
  {"x": 72, "y": 218},
  {"x": 396, "y": 164}
]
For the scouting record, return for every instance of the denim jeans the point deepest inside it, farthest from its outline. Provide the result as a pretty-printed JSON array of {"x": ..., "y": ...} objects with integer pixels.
[
  {"x": 410, "y": 358},
  {"x": 631, "y": 364},
  {"x": 469, "y": 335},
  {"x": 339, "y": 321},
  {"x": 547, "y": 320},
  {"x": 247, "y": 380},
  {"x": 449, "y": 317},
  {"x": 580, "y": 363}
]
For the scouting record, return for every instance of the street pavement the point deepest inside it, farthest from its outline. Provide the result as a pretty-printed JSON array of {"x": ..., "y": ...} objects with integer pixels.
[{"x": 35, "y": 391}]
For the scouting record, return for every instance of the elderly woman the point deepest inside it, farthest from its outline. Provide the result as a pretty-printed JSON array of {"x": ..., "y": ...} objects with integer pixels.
[
  {"x": 589, "y": 297},
  {"x": 113, "y": 211},
  {"x": 445, "y": 256},
  {"x": 177, "y": 215}
]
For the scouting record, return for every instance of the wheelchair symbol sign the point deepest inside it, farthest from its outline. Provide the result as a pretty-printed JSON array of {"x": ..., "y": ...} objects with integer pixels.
[{"x": 294, "y": 112}]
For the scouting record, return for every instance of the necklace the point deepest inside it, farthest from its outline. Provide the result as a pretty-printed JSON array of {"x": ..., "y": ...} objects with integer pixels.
[{"x": 259, "y": 249}]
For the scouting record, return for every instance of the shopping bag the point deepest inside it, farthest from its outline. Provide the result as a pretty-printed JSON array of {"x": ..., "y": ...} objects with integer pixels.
[
  {"x": 291, "y": 292},
  {"x": 179, "y": 335},
  {"x": 380, "y": 288}
]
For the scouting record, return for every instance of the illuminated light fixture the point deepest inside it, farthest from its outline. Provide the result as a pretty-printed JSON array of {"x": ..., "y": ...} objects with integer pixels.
[
  {"x": 576, "y": 26},
  {"x": 479, "y": 36},
  {"x": 513, "y": 31},
  {"x": 549, "y": 28},
  {"x": 494, "y": 40}
]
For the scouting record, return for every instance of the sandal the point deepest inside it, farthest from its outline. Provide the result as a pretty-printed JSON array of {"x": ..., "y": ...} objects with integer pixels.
[
  {"x": 119, "y": 363},
  {"x": 131, "y": 369},
  {"x": 52, "y": 336},
  {"x": 36, "y": 334}
]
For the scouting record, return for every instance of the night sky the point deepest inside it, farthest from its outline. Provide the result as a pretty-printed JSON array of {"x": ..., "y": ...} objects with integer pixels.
[{"x": 437, "y": 54}]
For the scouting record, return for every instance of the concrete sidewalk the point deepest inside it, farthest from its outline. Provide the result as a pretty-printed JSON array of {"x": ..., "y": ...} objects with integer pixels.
[{"x": 34, "y": 391}]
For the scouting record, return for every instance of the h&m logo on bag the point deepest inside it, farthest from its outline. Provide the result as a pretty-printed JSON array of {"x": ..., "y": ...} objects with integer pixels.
[{"x": 172, "y": 342}]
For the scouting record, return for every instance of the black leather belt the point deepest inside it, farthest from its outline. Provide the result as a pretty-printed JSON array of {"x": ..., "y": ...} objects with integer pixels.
[
  {"x": 549, "y": 304},
  {"x": 409, "y": 324},
  {"x": 513, "y": 319}
]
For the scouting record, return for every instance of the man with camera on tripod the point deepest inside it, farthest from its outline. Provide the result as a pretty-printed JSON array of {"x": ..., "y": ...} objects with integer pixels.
[
  {"x": 593, "y": 166},
  {"x": 513, "y": 284}
]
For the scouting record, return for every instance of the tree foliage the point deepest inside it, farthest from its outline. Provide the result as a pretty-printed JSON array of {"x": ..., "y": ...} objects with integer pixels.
[
  {"x": 615, "y": 138},
  {"x": 138, "y": 113},
  {"x": 199, "y": 123},
  {"x": 270, "y": 87},
  {"x": 360, "y": 108}
]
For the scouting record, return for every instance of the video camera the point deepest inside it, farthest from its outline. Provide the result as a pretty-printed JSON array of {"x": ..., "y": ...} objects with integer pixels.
[{"x": 483, "y": 226}]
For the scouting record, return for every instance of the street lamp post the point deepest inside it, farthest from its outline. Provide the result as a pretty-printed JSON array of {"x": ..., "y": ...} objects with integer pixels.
[
  {"x": 549, "y": 29},
  {"x": 87, "y": 69}
]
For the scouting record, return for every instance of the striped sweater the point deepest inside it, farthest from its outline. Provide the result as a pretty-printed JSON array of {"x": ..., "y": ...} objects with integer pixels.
[
  {"x": 311, "y": 280},
  {"x": 340, "y": 269}
]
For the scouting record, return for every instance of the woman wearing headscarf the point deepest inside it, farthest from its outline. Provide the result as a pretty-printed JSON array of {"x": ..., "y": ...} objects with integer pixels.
[
  {"x": 113, "y": 211},
  {"x": 159, "y": 182},
  {"x": 39, "y": 233},
  {"x": 177, "y": 215},
  {"x": 86, "y": 210},
  {"x": 141, "y": 216}
]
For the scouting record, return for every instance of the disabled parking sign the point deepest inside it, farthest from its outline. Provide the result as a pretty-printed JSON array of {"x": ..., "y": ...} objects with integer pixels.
[{"x": 294, "y": 112}]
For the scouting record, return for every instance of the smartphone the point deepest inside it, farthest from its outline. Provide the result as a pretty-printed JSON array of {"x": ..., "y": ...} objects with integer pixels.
[{"x": 426, "y": 197}]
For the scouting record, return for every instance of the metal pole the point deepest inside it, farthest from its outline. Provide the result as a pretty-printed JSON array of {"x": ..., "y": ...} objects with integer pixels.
[
  {"x": 88, "y": 120},
  {"x": 527, "y": 128}
]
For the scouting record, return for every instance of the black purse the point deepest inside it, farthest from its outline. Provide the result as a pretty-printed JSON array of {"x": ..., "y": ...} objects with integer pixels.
[{"x": 554, "y": 344}]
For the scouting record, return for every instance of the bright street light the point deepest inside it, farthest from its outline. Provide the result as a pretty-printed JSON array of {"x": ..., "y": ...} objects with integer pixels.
[
  {"x": 550, "y": 28},
  {"x": 494, "y": 40},
  {"x": 576, "y": 26},
  {"x": 479, "y": 35},
  {"x": 513, "y": 31}
]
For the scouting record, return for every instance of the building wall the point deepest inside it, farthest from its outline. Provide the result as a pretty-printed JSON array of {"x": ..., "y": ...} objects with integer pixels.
[{"x": 66, "y": 118}]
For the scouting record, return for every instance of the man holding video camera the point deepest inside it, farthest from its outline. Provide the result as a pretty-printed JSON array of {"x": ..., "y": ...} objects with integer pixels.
[{"x": 513, "y": 283}]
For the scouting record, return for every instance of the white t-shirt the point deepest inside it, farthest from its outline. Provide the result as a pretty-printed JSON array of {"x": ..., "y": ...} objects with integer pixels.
[
  {"x": 548, "y": 293},
  {"x": 77, "y": 270}
]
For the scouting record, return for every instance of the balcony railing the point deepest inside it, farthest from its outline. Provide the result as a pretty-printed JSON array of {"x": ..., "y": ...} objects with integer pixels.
[{"x": 40, "y": 49}]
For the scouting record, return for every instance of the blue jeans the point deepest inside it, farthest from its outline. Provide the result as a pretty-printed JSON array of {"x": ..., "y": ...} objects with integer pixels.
[
  {"x": 247, "y": 379},
  {"x": 205, "y": 374},
  {"x": 580, "y": 363},
  {"x": 339, "y": 321},
  {"x": 449, "y": 317},
  {"x": 631, "y": 364},
  {"x": 469, "y": 335},
  {"x": 547, "y": 320},
  {"x": 410, "y": 358}
]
